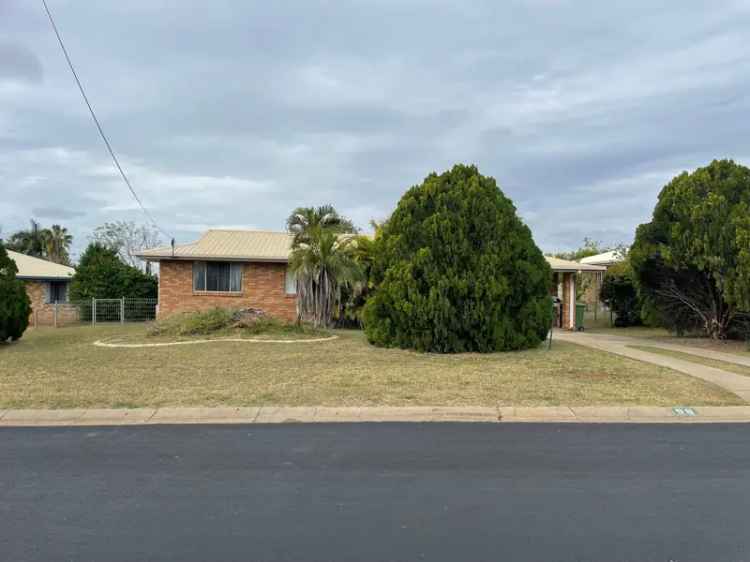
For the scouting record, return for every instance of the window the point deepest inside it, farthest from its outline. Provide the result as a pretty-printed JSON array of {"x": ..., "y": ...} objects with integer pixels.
[
  {"x": 57, "y": 291},
  {"x": 215, "y": 276},
  {"x": 290, "y": 286}
]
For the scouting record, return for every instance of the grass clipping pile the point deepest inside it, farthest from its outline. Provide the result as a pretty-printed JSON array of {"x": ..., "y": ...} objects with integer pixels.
[{"x": 221, "y": 322}]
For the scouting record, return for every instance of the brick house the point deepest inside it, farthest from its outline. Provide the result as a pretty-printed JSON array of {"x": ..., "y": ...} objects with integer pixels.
[
  {"x": 245, "y": 268},
  {"x": 227, "y": 268},
  {"x": 47, "y": 286}
]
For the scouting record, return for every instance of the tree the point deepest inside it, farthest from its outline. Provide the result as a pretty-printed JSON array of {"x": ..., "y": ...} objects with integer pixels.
[
  {"x": 58, "y": 241},
  {"x": 692, "y": 261},
  {"x": 101, "y": 274},
  {"x": 15, "y": 306},
  {"x": 127, "y": 239},
  {"x": 52, "y": 244},
  {"x": 323, "y": 261},
  {"x": 32, "y": 242},
  {"x": 456, "y": 270},
  {"x": 620, "y": 294}
]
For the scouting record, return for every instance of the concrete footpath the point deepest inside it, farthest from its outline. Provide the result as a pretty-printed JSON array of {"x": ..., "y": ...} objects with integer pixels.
[
  {"x": 622, "y": 345},
  {"x": 321, "y": 414}
]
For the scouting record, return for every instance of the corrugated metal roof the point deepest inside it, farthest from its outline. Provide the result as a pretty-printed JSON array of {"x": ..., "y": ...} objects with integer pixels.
[
  {"x": 561, "y": 265},
  {"x": 263, "y": 245},
  {"x": 35, "y": 268},
  {"x": 255, "y": 245},
  {"x": 607, "y": 258}
]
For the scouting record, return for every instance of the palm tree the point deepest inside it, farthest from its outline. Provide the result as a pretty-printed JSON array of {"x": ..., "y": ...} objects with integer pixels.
[
  {"x": 31, "y": 242},
  {"x": 58, "y": 243},
  {"x": 323, "y": 261},
  {"x": 306, "y": 222}
]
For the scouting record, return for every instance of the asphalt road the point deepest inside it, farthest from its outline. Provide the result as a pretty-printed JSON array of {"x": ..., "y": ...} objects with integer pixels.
[{"x": 455, "y": 492}]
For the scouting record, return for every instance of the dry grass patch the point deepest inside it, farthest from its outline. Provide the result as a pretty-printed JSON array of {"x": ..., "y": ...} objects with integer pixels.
[{"x": 61, "y": 368}]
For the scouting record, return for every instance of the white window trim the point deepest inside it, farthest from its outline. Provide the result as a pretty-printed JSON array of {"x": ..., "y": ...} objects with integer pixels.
[{"x": 205, "y": 289}]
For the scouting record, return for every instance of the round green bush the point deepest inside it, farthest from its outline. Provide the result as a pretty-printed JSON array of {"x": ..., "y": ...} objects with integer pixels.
[
  {"x": 15, "y": 306},
  {"x": 456, "y": 270}
]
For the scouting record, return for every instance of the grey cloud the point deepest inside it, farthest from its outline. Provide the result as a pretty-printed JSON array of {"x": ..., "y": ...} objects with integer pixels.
[
  {"x": 56, "y": 213},
  {"x": 19, "y": 63},
  {"x": 234, "y": 113}
]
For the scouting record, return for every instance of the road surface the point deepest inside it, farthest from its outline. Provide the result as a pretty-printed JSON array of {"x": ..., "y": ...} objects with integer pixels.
[{"x": 378, "y": 492}]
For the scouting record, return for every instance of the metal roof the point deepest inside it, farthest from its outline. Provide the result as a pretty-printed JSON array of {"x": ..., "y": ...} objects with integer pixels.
[
  {"x": 567, "y": 266},
  {"x": 264, "y": 245},
  {"x": 231, "y": 245},
  {"x": 30, "y": 267},
  {"x": 607, "y": 258}
]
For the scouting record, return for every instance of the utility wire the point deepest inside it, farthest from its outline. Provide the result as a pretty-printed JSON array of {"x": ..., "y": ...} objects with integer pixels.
[{"x": 99, "y": 127}]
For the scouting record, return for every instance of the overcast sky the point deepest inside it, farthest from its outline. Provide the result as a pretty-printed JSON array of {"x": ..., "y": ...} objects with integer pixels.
[{"x": 230, "y": 114}]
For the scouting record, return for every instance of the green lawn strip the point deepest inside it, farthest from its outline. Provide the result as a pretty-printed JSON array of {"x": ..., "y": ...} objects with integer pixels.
[
  {"x": 60, "y": 368},
  {"x": 723, "y": 365}
]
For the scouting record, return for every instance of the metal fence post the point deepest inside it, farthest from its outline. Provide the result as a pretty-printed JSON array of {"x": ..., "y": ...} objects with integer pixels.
[
  {"x": 122, "y": 310},
  {"x": 93, "y": 312}
]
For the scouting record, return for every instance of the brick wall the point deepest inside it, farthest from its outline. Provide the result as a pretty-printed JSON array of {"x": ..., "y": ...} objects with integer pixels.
[
  {"x": 262, "y": 287},
  {"x": 42, "y": 313}
]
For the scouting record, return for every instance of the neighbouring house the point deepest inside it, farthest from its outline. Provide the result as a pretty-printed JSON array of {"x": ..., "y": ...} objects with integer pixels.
[
  {"x": 47, "y": 285},
  {"x": 593, "y": 287},
  {"x": 564, "y": 287},
  {"x": 249, "y": 269},
  {"x": 605, "y": 259}
]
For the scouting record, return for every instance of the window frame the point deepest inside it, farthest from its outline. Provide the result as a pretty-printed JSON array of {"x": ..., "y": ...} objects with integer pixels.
[
  {"x": 287, "y": 275},
  {"x": 62, "y": 286},
  {"x": 200, "y": 272}
]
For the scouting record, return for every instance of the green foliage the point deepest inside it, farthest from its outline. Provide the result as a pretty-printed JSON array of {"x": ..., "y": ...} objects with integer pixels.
[
  {"x": 323, "y": 261},
  {"x": 620, "y": 294},
  {"x": 692, "y": 261},
  {"x": 102, "y": 275},
  {"x": 589, "y": 248},
  {"x": 15, "y": 306},
  {"x": 223, "y": 321},
  {"x": 51, "y": 244},
  {"x": 456, "y": 270}
]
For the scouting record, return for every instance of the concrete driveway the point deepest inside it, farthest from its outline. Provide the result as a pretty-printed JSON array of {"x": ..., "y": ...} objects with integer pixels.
[{"x": 620, "y": 345}]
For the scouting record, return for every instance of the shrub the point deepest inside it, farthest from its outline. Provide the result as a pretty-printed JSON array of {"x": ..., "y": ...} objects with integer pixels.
[
  {"x": 101, "y": 274},
  {"x": 620, "y": 294},
  {"x": 692, "y": 261},
  {"x": 456, "y": 270},
  {"x": 15, "y": 306},
  {"x": 227, "y": 321}
]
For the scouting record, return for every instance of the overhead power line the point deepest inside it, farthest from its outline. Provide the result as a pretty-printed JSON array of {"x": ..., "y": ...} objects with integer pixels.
[{"x": 98, "y": 125}]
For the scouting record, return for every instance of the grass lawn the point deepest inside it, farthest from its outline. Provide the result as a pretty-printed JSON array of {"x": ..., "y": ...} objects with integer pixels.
[
  {"x": 724, "y": 365},
  {"x": 60, "y": 368}
]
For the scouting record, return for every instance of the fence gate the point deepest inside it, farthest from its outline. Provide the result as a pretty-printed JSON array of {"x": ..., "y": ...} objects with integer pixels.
[{"x": 118, "y": 310}]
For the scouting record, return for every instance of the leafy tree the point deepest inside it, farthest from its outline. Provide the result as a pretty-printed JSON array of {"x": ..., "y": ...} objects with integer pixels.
[
  {"x": 620, "y": 294},
  {"x": 322, "y": 259},
  {"x": 31, "y": 242},
  {"x": 127, "y": 239},
  {"x": 692, "y": 261},
  {"x": 456, "y": 270},
  {"x": 101, "y": 274},
  {"x": 52, "y": 244},
  {"x": 590, "y": 247},
  {"x": 15, "y": 306}
]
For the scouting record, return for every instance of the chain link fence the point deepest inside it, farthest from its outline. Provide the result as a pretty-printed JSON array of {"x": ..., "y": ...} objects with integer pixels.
[{"x": 96, "y": 311}]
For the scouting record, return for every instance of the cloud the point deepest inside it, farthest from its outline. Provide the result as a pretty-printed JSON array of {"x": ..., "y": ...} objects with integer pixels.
[{"x": 236, "y": 113}]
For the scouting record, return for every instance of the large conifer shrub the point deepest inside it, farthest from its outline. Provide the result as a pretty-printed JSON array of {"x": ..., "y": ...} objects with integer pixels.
[{"x": 456, "y": 270}]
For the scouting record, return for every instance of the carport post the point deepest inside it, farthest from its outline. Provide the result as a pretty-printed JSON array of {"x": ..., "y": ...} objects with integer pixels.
[{"x": 55, "y": 315}]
